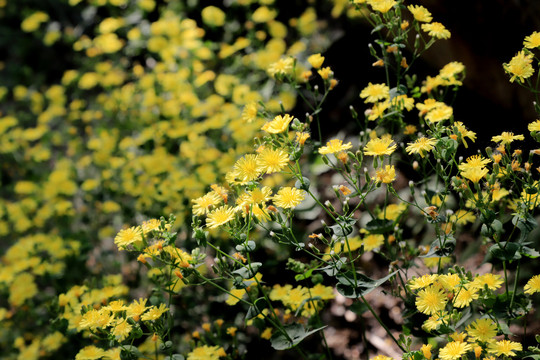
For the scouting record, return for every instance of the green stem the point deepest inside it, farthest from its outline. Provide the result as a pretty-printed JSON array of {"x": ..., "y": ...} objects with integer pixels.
[{"x": 382, "y": 323}]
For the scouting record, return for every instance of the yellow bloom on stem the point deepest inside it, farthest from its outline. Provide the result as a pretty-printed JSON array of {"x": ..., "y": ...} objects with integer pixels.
[
  {"x": 316, "y": 60},
  {"x": 382, "y": 6},
  {"x": 219, "y": 216},
  {"x": 154, "y": 313},
  {"x": 454, "y": 350},
  {"x": 372, "y": 241},
  {"x": 533, "y": 285},
  {"x": 465, "y": 295},
  {"x": 421, "y": 146},
  {"x": 246, "y": 169},
  {"x": 380, "y": 146},
  {"x": 128, "y": 236},
  {"x": 436, "y": 30},
  {"x": 440, "y": 113},
  {"x": 474, "y": 162},
  {"x": 482, "y": 330},
  {"x": 386, "y": 175},
  {"x": 278, "y": 125},
  {"x": 283, "y": 66},
  {"x": 507, "y": 137},
  {"x": 375, "y": 92},
  {"x": 431, "y": 300},
  {"x": 426, "y": 350},
  {"x": 90, "y": 352},
  {"x": 422, "y": 281},
  {"x": 474, "y": 175},
  {"x": 272, "y": 160},
  {"x": 420, "y": 13},
  {"x": 534, "y": 126},
  {"x": 203, "y": 204},
  {"x": 504, "y": 347},
  {"x": 519, "y": 67},
  {"x": 288, "y": 197},
  {"x": 532, "y": 41},
  {"x": 334, "y": 146}
]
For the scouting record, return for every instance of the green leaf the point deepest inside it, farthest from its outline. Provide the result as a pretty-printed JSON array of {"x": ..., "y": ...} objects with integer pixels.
[
  {"x": 296, "y": 334},
  {"x": 304, "y": 276},
  {"x": 364, "y": 284},
  {"x": 505, "y": 251},
  {"x": 529, "y": 252},
  {"x": 379, "y": 226},
  {"x": 248, "y": 272}
]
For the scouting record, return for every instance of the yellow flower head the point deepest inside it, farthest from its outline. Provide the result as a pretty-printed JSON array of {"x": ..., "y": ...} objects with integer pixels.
[
  {"x": 219, "y": 216},
  {"x": 533, "y": 285},
  {"x": 272, "y": 160},
  {"x": 440, "y": 113},
  {"x": 278, "y": 125},
  {"x": 504, "y": 347},
  {"x": 334, "y": 146},
  {"x": 386, "y": 175},
  {"x": 375, "y": 92},
  {"x": 283, "y": 66},
  {"x": 421, "y": 146},
  {"x": 436, "y": 30},
  {"x": 420, "y": 13},
  {"x": 128, "y": 236},
  {"x": 482, "y": 330},
  {"x": 532, "y": 41},
  {"x": 288, "y": 197},
  {"x": 380, "y": 146},
  {"x": 431, "y": 300},
  {"x": 454, "y": 350},
  {"x": 316, "y": 60},
  {"x": 382, "y": 6},
  {"x": 507, "y": 137},
  {"x": 519, "y": 67}
]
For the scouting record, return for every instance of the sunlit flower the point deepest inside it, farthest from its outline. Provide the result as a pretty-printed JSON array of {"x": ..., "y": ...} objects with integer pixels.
[
  {"x": 316, "y": 60},
  {"x": 372, "y": 241},
  {"x": 334, "y": 146},
  {"x": 421, "y": 146},
  {"x": 382, "y": 6},
  {"x": 504, "y": 347},
  {"x": 386, "y": 175},
  {"x": 380, "y": 146},
  {"x": 154, "y": 312},
  {"x": 431, "y": 300},
  {"x": 440, "y": 113},
  {"x": 219, "y": 216},
  {"x": 426, "y": 350},
  {"x": 375, "y": 92},
  {"x": 436, "y": 30},
  {"x": 465, "y": 295},
  {"x": 283, "y": 66},
  {"x": 507, "y": 137},
  {"x": 482, "y": 330},
  {"x": 474, "y": 162},
  {"x": 203, "y": 204},
  {"x": 519, "y": 67},
  {"x": 272, "y": 160},
  {"x": 288, "y": 197},
  {"x": 532, "y": 41},
  {"x": 90, "y": 352},
  {"x": 278, "y": 125},
  {"x": 246, "y": 168},
  {"x": 206, "y": 352},
  {"x": 420, "y": 13},
  {"x": 454, "y": 350},
  {"x": 533, "y": 285},
  {"x": 474, "y": 175},
  {"x": 128, "y": 236},
  {"x": 534, "y": 126},
  {"x": 422, "y": 281}
]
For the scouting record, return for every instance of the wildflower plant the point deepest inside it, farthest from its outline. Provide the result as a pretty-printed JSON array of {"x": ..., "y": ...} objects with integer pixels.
[{"x": 240, "y": 172}]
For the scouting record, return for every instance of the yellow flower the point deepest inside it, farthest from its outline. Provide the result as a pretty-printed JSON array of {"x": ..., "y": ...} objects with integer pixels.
[
  {"x": 246, "y": 169},
  {"x": 436, "y": 30},
  {"x": 288, "y": 197},
  {"x": 454, "y": 350},
  {"x": 263, "y": 15},
  {"x": 474, "y": 175},
  {"x": 465, "y": 295},
  {"x": 492, "y": 281},
  {"x": 267, "y": 333},
  {"x": 219, "y": 216},
  {"x": 426, "y": 350},
  {"x": 213, "y": 16},
  {"x": 421, "y": 146},
  {"x": 504, "y": 347},
  {"x": 325, "y": 73},
  {"x": 154, "y": 313},
  {"x": 420, "y": 13},
  {"x": 278, "y": 125},
  {"x": 430, "y": 300},
  {"x": 422, "y": 281},
  {"x": 533, "y": 285},
  {"x": 203, "y": 204},
  {"x": 532, "y": 41},
  {"x": 482, "y": 330},
  {"x": 372, "y": 241},
  {"x": 283, "y": 66},
  {"x": 316, "y": 60},
  {"x": 334, "y": 146},
  {"x": 474, "y": 162},
  {"x": 206, "y": 352},
  {"x": 90, "y": 352},
  {"x": 440, "y": 113},
  {"x": 382, "y": 6},
  {"x": 375, "y": 92},
  {"x": 519, "y": 67},
  {"x": 272, "y": 160},
  {"x": 386, "y": 175},
  {"x": 128, "y": 236},
  {"x": 32, "y": 22},
  {"x": 380, "y": 146},
  {"x": 507, "y": 137},
  {"x": 534, "y": 126}
]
